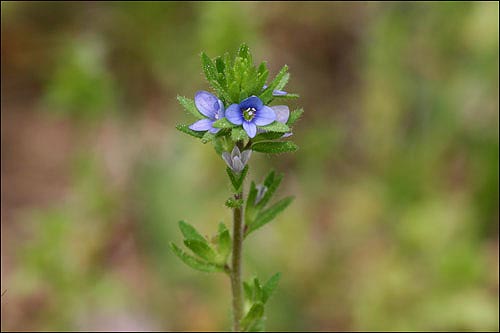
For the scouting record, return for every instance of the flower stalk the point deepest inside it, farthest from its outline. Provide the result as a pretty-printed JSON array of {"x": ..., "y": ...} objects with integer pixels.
[{"x": 236, "y": 266}]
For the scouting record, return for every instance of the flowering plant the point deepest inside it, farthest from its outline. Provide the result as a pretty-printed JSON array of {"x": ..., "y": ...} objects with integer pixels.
[{"x": 239, "y": 119}]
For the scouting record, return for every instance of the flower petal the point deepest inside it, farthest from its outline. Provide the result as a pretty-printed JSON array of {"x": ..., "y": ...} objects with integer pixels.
[
  {"x": 282, "y": 113},
  {"x": 279, "y": 93},
  {"x": 202, "y": 125},
  {"x": 235, "y": 152},
  {"x": 245, "y": 156},
  {"x": 206, "y": 103},
  {"x": 237, "y": 164},
  {"x": 234, "y": 115},
  {"x": 227, "y": 158},
  {"x": 251, "y": 102},
  {"x": 264, "y": 116},
  {"x": 250, "y": 128}
]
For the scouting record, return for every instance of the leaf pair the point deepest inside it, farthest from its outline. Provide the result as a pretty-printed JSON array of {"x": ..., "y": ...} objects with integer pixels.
[
  {"x": 208, "y": 257},
  {"x": 257, "y": 295},
  {"x": 256, "y": 213}
]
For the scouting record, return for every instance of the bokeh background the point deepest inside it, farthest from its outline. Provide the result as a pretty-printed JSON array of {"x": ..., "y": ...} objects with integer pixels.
[{"x": 395, "y": 223}]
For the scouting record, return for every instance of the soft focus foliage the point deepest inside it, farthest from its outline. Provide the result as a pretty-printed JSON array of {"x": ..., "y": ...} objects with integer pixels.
[{"x": 395, "y": 221}]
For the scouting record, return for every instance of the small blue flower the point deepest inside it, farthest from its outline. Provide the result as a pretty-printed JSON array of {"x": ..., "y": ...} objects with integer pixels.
[
  {"x": 250, "y": 113},
  {"x": 276, "y": 92},
  {"x": 209, "y": 106},
  {"x": 282, "y": 114}
]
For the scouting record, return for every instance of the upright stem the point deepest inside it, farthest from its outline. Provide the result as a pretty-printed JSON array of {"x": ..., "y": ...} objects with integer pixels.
[{"x": 236, "y": 264}]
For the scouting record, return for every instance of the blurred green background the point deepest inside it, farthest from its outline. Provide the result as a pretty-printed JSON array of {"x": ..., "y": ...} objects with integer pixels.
[{"x": 395, "y": 224}]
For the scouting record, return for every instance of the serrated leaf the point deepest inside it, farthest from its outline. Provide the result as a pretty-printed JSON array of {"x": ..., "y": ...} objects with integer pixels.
[
  {"x": 223, "y": 242},
  {"x": 194, "y": 262},
  {"x": 254, "y": 314},
  {"x": 270, "y": 286},
  {"x": 189, "y": 232},
  {"x": 202, "y": 249},
  {"x": 294, "y": 116},
  {"x": 237, "y": 179},
  {"x": 207, "y": 137},
  {"x": 268, "y": 215},
  {"x": 212, "y": 75},
  {"x": 185, "y": 129},
  {"x": 276, "y": 126},
  {"x": 238, "y": 134},
  {"x": 223, "y": 123},
  {"x": 274, "y": 147},
  {"x": 189, "y": 105}
]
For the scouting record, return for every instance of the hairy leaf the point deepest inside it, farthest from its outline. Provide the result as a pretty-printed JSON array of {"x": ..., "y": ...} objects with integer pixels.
[
  {"x": 189, "y": 106},
  {"x": 223, "y": 123},
  {"x": 274, "y": 147},
  {"x": 294, "y": 116},
  {"x": 237, "y": 179},
  {"x": 185, "y": 129},
  {"x": 276, "y": 126}
]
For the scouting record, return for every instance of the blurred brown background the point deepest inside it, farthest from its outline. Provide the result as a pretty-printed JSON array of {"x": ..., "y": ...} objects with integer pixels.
[{"x": 395, "y": 224}]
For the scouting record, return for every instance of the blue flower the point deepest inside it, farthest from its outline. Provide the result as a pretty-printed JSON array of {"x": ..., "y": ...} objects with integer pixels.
[
  {"x": 209, "y": 106},
  {"x": 282, "y": 113},
  {"x": 250, "y": 113},
  {"x": 276, "y": 92}
]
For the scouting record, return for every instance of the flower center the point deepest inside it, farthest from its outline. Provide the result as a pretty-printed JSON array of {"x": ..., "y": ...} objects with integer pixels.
[{"x": 249, "y": 113}]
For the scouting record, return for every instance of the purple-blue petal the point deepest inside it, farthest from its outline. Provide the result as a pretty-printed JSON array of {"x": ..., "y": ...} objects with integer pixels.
[
  {"x": 234, "y": 114},
  {"x": 250, "y": 128},
  {"x": 251, "y": 102},
  {"x": 206, "y": 103},
  {"x": 279, "y": 93},
  {"x": 213, "y": 130},
  {"x": 202, "y": 125},
  {"x": 282, "y": 113},
  {"x": 264, "y": 116}
]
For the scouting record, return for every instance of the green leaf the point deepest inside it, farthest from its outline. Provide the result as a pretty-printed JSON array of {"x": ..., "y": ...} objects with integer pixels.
[
  {"x": 248, "y": 289},
  {"x": 185, "y": 129},
  {"x": 250, "y": 208},
  {"x": 276, "y": 126},
  {"x": 189, "y": 106},
  {"x": 270, "y": 286},
  {"x": 257, "y": 288},
  {"x": 237, "y": 179},
  {"x": 288, "y": 96},
  {"x": 272, "y": 182},
  {"x": 294, "y": 116},
  {"x": 279, "y": 82},
  {"x": 223, "y": 123},
  {"x": 262, "y": 74},
  {"x": 207, "y": 137},
  {"x": 254, "y": 314},
  {"x": 202, "y": 249},
  {"x": 212, "y": 76},
  {"x": 189, "y": 232},
  {"x": 244, "y": 53},
  {"x": 268, "y": 215},
  {"x": 274, "y": 147},
  {"x": 238, "y": 134},
  {"x": 267, "y": 136},
  {"x": 223, "y": 242},
  {"x": 194, "y": 262}
]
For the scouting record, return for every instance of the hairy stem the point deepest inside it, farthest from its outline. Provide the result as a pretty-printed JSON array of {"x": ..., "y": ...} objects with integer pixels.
[{"x": 236, "y": 264}]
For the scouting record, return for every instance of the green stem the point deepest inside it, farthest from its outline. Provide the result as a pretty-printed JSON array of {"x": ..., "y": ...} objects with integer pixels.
[{"x": 236, "y": 264}]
